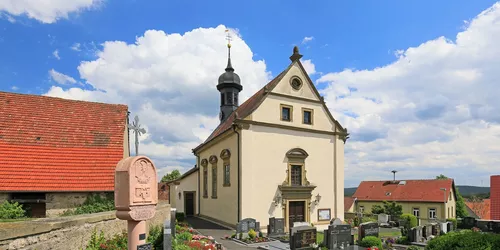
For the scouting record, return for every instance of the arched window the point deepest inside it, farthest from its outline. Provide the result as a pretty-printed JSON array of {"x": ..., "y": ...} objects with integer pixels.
[
  {"x": 213, "y": 161},
  {"x": 296, "y": 167},
  {"x": 225, "y": 155},
  {"x": 204, "y": 164}
]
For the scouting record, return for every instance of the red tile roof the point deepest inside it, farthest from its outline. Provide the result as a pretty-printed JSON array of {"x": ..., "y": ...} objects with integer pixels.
[
  {"x": 412, "y": 190},
  {"x": 480, "y": 208},
  {"x": 53, "y": 144},
  {"x": 348, "y": 201},
  {"x": 245, "y": 108}
]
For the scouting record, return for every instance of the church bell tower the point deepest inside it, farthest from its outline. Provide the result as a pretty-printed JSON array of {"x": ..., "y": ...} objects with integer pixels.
[{"x": 229, "y": 87}]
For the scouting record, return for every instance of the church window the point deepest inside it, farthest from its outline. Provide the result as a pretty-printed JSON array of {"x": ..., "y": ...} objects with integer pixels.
[
  {"x": 227, "y": 174},
  {"x": 307, "y": 116},
  {"x": 221, "y": 98},
  {"x": 296, "y": 82},
  {"x": 214, "y": 181},
  {"x": 229, "y": 98},
  {"x": 286, "y": 113},
  {"x": 296, "y": 175},
  {"x": 226, "y": 167},
  {"x": 235, "y": 98},
  {"x": 204, "y": 163}
]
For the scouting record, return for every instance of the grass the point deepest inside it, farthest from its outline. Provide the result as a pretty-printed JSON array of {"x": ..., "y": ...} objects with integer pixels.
[{"x": 15, "y": 220}]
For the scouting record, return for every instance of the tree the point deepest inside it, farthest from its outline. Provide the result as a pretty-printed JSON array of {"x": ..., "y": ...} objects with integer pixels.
[
  {"x": 461, "y": 210},
  {"x": 171, "y": 176},
  {"x": 478, "y": 206},
  {"x": 393, "y": 209},
  {"x": 377, "y": 209}
]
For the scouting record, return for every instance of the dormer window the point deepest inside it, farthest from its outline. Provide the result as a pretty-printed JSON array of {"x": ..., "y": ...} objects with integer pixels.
[
  {"x": 388, "y": 193},
  {"x": 286, "y": 113}
]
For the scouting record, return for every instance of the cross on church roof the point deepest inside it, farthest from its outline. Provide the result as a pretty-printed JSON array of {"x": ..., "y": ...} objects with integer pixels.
[{"x": 136, "y": 128}]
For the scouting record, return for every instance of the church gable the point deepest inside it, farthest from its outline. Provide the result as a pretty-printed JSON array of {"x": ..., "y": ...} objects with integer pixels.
[{"x": 296, "y": 83}]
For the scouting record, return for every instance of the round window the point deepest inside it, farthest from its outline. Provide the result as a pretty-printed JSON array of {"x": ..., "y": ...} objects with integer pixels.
[{"x": 296, "y": 83}]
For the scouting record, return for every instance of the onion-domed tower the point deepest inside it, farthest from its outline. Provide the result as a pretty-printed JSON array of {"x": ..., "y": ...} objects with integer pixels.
[{"x": 229, "y": 87}]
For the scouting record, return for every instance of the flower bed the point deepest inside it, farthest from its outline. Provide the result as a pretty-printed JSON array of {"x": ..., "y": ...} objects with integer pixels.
[
  {"x": 252, "y": 239},
  {"x": 188, "y": 238},
  {"x": 284, "y": 238}
]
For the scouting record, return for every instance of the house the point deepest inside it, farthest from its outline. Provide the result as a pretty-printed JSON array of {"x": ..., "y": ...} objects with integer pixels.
[
  {"x": 427, "y": 199},
  {"x": 479, "y": 209},
  {"x": 184, "y": 192},
  {"x": 279, "y": 154},
  {"x": 55, "y": 152},
  {"x": 495, "y": 197},
  {"x": 349, "y": 205},
  {"x": 163, "y": 192}
]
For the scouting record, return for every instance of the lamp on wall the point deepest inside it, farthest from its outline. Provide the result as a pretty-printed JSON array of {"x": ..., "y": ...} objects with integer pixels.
[
  {"x": 277, "y": 200},
  {"x": 179, "y": 195},
  {"x": 318, "y": 198}
]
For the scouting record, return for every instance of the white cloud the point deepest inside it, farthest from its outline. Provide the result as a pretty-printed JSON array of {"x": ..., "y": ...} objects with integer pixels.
[
  {"x": 307, "y": 39},
  {"x": 169, "y": 81},
  {"x": 47, "y": 11},
  {"x": 434, "y": 110},
  {"x": 56, "y": 54},
  {"x": 309, "y": 66},
  {"x": 14, "y": 88},
  {"x": 76, "y": 47},
  {"x": 61, "y": 78}
]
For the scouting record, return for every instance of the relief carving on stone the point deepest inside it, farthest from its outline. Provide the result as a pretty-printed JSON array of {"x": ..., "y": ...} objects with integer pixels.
[{"x": 143, "y": 173}]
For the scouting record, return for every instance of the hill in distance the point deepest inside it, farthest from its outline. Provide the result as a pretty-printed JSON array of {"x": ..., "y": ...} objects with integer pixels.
[{"x": 464, "y": 190}]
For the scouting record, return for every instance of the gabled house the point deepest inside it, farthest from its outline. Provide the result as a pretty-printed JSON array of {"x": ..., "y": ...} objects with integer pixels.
[
  {"x": 55, "y": 152},
  {"x": 279, "y": 154},
  {"x": 479, "y": 209},
  {"x": 427, "y": 199}
]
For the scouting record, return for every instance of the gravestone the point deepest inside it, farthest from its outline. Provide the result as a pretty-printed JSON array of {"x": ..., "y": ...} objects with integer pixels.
[
  {"x": 468, "y": 222},
  {"x": 338, "y": 236},
  {"x": 435, "y": 229},
  {"x": 428, "y": 232},
  {"x": 412, "y": 235},
  {"x": 276, "y": 227},
  {"x": 383, "y": 218},
  {"x": 136, "y": 196},
  {"x": 245, "y": 225},
  {"x": 419, "y": 234},
  {"x": 444, "y": 227},
  {"x": 301, "y": 237},
  {"x": 449, "y": 226},
  {"x": 424, "y": 232},
  {"x": 368, "y": 229},
  {"x": 299, "y": 224},
  {"x": 496, "y": 227},
  {"x": 336, "y": 221}
]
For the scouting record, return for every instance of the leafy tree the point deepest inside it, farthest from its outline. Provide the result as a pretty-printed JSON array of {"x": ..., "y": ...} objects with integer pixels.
[
  {"x": 377, "y": 209},
  {"x": 171, "y": 176},
  {"x": 393, "y": 209},
  {"x": 461, "y": 210}
]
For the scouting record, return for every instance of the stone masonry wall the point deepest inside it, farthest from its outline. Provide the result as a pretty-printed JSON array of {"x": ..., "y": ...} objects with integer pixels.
[
  {"x": 67, "y": 233},
  {"x": 60, "y": 202}
]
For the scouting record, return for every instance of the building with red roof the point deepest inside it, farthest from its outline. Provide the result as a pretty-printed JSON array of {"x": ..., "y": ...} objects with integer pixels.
[
  {"x": 427, "y": 199},
  {"x": 479, "y": 209},
  {"x": 54, "y": 152}
]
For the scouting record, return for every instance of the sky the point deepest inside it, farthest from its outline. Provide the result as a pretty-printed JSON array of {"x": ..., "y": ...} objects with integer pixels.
[{"x": 414, "y": 82}]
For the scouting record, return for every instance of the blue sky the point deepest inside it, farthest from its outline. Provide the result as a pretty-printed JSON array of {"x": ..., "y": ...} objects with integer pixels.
[{"x": 349, "y": 45}]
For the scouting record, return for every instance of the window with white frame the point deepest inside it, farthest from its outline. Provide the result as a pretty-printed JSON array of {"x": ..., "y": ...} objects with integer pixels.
[
  {"x": 416, "y": 212},
  {"x": 361, "y": 209},
  {"x": 432, "y": 213}
]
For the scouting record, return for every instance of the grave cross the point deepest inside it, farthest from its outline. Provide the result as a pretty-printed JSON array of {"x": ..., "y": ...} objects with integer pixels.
[{"x": 136, "y": 127}]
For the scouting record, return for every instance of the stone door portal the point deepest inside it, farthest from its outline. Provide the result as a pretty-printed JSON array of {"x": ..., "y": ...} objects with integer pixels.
[
  {"x": 189, "y": 203},
  {"x": 296, "y": 212}
]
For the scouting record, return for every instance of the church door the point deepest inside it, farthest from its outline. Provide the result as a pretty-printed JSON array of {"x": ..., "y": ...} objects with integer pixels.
[{"x": 296, "y": 212}]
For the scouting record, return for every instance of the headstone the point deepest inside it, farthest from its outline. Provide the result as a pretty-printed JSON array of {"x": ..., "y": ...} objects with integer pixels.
[
  {"x": 368, "y": 229},
  {"x": 424, "y": 232},
  {"x": 428, "y": 232},
  {"x": 435, "y": 229},
  {"x": 336, "y": 221},
  {"x": 299, "y": 224},
  {"x": 301, "y": 237},
  {"x": 168, "y": 234},
  {"x": 444, "y": 227},
  {"x": 136, "y": 196},
  {"x": 276, "y": 227},
  {"x": 449, "y": 226},
  {"x": 496, "y": 227},
  {"x": 173, "y": 212},
  {"x": 245, "y": 225},
  {"x": 469, "y": 222},
  {"x": 419, "y": 234},
  {"x": 383, "y": 218},
  {"x": 339, "y": 236},
  {"x": 412, "y": 235},
  {"x": 484, "y": 226}
]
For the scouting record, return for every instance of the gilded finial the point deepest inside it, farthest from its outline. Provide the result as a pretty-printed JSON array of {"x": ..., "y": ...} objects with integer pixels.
[{"x": 229, "y": 38}]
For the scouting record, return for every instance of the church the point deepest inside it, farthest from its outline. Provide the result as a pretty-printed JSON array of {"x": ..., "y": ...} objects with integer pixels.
[{"x": 279, "y": 154}]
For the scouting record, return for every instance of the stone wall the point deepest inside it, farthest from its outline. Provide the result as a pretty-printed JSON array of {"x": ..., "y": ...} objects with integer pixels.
[
  {"x": 60, "y": 202},
  {"x": 67, "y": 233}
]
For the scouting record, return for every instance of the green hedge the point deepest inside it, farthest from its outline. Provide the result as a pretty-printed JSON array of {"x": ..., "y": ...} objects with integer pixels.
[
  {"x": 10, "y": 210},
  {"x": 371, "y": 241},
  {"x": 465, "y": 239},
  {"x": 411, "y": 219}
]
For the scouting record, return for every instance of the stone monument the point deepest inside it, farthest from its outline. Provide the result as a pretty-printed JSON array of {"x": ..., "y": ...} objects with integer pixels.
[{"x": 136, "y": 196}]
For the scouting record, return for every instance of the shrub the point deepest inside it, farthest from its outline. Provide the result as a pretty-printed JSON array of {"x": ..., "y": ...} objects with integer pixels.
[
  {"x": 403, "y": 240},
  {"x": 454, "y": 221},
  {"x": 252, "y": 234},
  {"x": 368, "y": 219},
  {"x": 371, "y": 241},
  {"x": 94, "y": 203},
  {"x": 11, "y": 210},
  {"x": 465, "y": 239},
  {"x": 356, "y": 221},
  {"x": 413, "y": 248},
  {"x": 411, "y": 219},
  {"x": 155, "y": 237},
  {"x": 179, "y": 216},
  {"x": 98, "y": 242},
  {"x": 185, "y": 236},
  {"x": 260, "y": 234}
]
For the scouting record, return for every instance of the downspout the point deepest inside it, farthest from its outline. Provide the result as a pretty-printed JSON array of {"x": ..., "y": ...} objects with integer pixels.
[
  {"x": 128, "y": 132},
  {"x": 335, "y": 175},
  {"x": 239, "y": 170},
  {"x": 199, "y": 170}
]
